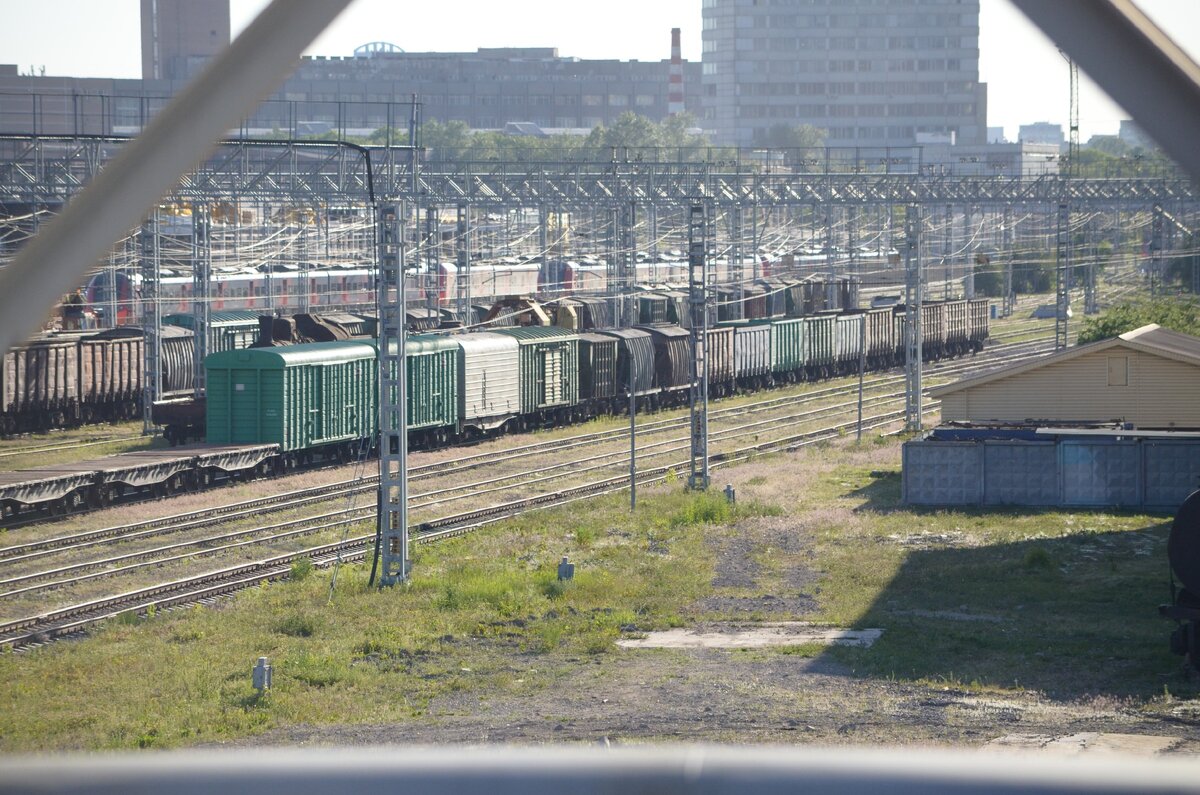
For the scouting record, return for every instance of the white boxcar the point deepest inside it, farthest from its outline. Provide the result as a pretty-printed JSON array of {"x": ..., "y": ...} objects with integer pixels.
[{"x": 489, "y": 376}]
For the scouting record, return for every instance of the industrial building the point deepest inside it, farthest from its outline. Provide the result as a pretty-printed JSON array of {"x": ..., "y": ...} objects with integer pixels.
[
  {"x": 1109, "y": 424},
  {"x": 870, "y": 73},
  {"x": 1147, "y": 378}
]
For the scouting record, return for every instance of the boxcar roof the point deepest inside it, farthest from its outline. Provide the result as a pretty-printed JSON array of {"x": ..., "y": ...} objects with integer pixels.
[
  {"x": 292, "y": 355},
  {"x": 223, "y": 317},
  {"x": 526, "y": 334},
  {"x": 486, "y": 341},
  {"x": 429, "y": 343},
  {"x": 625, "y": 333},
  {"x": 666, "y": 330}
]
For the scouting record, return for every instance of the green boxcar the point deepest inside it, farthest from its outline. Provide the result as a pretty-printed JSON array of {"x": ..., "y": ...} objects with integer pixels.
[
  {"x": 227, "y": 331},
  {"x": 787, "y": 344},
  {"x": 432, "y": 381},
  {"x": 297, "y": 397},
  {"x": 549, "y": 367}
]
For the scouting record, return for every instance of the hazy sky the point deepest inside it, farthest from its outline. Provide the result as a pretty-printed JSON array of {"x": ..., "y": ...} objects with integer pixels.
[{"x": 1026, "y": 76}]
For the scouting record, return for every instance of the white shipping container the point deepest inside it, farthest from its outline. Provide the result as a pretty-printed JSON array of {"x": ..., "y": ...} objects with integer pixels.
[{"x": 489, "y": 371}]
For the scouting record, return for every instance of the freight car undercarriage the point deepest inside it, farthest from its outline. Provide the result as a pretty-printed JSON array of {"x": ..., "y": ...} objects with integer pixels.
[{"x": 91, "y": 485}]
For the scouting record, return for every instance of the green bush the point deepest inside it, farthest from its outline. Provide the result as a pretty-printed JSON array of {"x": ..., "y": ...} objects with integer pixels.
[
  {"x": 301, "y": 568},
  {"x": 296, "y": 625},
  {"x": 1177, "y": 314}
]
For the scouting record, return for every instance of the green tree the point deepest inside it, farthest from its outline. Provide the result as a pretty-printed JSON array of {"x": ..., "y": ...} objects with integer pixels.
[
  {"x": 800, "y": 136},
  {"x": 1177, "y": 314}
]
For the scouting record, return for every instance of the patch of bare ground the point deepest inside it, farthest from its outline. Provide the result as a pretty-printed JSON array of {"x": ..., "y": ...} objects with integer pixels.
[{"x": 739, "y": 697}]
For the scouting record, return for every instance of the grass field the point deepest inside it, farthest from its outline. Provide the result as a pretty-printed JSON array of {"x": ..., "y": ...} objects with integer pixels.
[{"x": 1051, "y": 605}]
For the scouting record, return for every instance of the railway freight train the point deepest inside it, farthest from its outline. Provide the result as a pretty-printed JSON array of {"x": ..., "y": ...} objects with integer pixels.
[
  {"x": 63, "y": 380},
  {"x": 271, "y": 409},
  {"x": 318, "y": 401},
  {"x": 71, "y": 378}
]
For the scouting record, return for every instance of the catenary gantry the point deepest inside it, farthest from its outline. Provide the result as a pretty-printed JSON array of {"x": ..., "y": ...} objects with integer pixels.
[{"x": 47, "y": 170}]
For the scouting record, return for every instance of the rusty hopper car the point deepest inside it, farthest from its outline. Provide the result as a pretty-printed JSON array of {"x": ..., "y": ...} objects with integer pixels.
[
  {"x": 980, "y": 314},
  {"x": 881, "y": 339},
  {"x": 39, "y": 384}
]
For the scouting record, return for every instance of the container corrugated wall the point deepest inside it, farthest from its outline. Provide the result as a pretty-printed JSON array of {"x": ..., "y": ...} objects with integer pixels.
[
  {"x": 979, "y": 319},
  {"x": 818, "y": 341},
  {"x": 719, "y": 352},
  {"x": 848, "y": 334},
  {"x": 752, "y": 350},
  {"x": 432, "y": 370},
  {"x": 957, "y": 323},
  {"x": 881, "y": 342},
  {"x": 549, "y": 367},
  {"x": 636, "y": 347},
  {"x": 672, "y": 356},
  {"x": 788, "y": 347},
  {"x": 227, "y": 331},
  {"x": 933, "y": 328},
  {"x": 489, "y": 368},
  {"x": 652, "y": 308},
  {"x": 597, "y": 367}
]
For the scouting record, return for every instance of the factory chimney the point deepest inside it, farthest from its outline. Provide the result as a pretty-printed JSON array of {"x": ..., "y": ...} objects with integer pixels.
[{"x": 675, "y": 89}]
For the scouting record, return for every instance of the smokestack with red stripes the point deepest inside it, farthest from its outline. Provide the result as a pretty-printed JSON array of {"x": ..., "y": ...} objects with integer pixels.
[{"x": 675, "y": 89}]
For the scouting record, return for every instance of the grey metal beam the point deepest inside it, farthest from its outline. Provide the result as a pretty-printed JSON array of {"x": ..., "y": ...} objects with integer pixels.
[
  {"x": 1135, "y": 62},
  {"x": 50, "y": 170},
  {"x": 179, "y": 137},
  {"x": 595, "y": 771}
]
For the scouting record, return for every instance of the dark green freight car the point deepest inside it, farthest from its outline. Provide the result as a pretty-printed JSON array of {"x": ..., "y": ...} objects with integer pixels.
[
  {"x": 302, "y": 397},
  {"x": 432, "y": 384},
  {"x": 549, "y": 373}
]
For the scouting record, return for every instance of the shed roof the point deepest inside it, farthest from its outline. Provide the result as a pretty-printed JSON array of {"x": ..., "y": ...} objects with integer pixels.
[{"x": 1152, "y": 339}]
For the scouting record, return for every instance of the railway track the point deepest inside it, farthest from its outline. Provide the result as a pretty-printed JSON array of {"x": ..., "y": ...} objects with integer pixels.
[{"x": 67, "y": 445}]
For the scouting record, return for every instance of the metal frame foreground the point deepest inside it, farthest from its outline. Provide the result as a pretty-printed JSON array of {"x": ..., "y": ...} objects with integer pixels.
[{"x": 504, "y": 770}]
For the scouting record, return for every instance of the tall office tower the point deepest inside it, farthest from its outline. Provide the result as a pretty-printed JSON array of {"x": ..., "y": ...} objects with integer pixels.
[
  {"x": 179, "y": 36},
  {"x": 868, "y": 72}
]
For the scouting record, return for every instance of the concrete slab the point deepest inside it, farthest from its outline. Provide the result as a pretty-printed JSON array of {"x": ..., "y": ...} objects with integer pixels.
[
  {"x": 790, "y": 633},
  {"x": 1083, "y": 743}
]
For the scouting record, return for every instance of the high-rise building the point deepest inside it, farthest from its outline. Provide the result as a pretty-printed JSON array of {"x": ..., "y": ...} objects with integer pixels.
[
  {"x": 179, "y": 36},
  {"x": 868, "y": 72}
]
